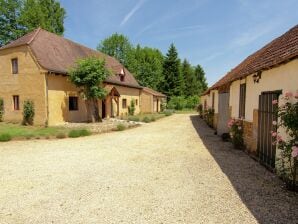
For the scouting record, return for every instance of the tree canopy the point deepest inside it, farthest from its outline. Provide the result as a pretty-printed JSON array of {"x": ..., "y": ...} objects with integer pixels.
[
  {"x": 18, "y": 17},
  {"x": 88, "y": 75}
]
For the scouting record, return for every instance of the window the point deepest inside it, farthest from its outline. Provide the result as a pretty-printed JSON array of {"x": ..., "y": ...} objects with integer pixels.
[
  {"x": 73, "y": 103},
  {"x": 205, "y": 104},
  {"x": 14, "y": 66},
  {"x": 242, "y": 100},
  {"x": 213, "y": 99},
  {"x": 122, "y": 78},
  {"x": 136, "y": 102},
  {"x": 16, "y": 103},
  {"x": 124, "y": 103}
]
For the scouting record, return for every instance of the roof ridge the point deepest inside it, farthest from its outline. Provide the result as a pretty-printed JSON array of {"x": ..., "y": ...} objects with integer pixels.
[{"x": 35, "y": 34}]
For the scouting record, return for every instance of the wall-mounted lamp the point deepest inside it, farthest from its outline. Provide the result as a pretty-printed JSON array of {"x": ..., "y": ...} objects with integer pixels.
[{"x": 257, "y": 77}]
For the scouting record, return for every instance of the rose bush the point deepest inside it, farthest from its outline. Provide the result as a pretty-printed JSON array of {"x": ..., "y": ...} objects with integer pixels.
[{"x": 236, "y": 133}]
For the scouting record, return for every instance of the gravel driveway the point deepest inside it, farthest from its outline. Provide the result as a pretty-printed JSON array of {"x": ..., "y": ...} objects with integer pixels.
[{"x": 171, "y": 171}]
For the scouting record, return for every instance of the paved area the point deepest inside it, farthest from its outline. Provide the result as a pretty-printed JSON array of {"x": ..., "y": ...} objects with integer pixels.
[{"x": 170, "y": 171}]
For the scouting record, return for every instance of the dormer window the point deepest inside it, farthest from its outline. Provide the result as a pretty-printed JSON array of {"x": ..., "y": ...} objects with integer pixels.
[{"x": 122, "y": 75}]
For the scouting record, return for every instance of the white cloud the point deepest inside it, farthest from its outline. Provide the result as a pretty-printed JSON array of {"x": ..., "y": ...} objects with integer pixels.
[{"x": 132, "y": 12}]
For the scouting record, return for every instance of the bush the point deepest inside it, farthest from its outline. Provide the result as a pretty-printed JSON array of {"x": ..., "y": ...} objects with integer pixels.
[
  {"x": 146, "y": 119},
  {"x": 121, "y": 127},
  {"x": 180, "y": 102},
  {"x": 61, "y": 135},
  {"x": 28, "y": 112},
  {"x": 168, "y": 113},
  {"x": 133, "y": 118},
  {"x": 1, "y": 109},
  {"x": 5, "y": 137},
  {"x": 153, "y": 118},
  {"x": 78, "y": 133},
  {"x": 131, "y": 108}
]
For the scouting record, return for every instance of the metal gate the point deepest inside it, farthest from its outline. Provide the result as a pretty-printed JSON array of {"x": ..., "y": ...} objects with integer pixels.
[
  {"x": 267, "y": 114},
  {"x": 223, "y": 114}
]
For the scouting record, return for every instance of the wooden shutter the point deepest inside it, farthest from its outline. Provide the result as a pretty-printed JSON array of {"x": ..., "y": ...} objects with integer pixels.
[{"x": 242, "y": 100}]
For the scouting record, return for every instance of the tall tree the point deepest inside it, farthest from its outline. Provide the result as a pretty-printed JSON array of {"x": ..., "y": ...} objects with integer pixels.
[
  {"x": 118, "y": 46},
  {"x": 10, "y": 28},
  {"x": 200, "y": 74},
  {"x": 173, "y": 80},
  {"x": 147, "y": 65},
  {"x": 18, "y": 17},
  {"x": 191, "y": 83},
  {"x": 88, "y": 74},
  {"x": 47, "y": 14}
]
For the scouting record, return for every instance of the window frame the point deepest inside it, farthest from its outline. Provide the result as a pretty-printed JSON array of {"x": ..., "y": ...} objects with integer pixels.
[
  {"x": 124, "y": 105},
  {"x": 136, "y": 102},
  {"x": 213, "y": 101},
  {"x": 16, "y": 102},
  {"x": 242, "y": 100},
  {"x": 14, "y": 62},
  {"x": 73, "y": 106}
]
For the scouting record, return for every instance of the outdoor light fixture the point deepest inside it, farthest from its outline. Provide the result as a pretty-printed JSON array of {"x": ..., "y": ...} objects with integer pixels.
[{"x": 257, "y": 77}]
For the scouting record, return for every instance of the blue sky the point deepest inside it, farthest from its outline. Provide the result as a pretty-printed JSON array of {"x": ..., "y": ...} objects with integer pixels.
[{"x": 217, "y": 34}]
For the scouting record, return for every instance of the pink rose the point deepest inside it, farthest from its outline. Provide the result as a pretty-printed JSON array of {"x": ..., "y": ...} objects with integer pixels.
[
  {"x": 294, "y": 151},
  {"x": 296, "y": 94},
  {"x": 275, "y": 102},
  {"x": 274, "y": 134},
  {"x": 274, "y": 123},
  {"x": 288, "y": 94},
  {"x": 279, "y": 138}
]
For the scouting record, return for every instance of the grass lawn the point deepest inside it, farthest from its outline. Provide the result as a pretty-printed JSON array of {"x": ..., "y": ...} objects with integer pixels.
[{"x": 17, "y": 131}]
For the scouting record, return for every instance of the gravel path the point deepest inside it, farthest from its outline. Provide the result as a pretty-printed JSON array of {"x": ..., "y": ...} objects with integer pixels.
[{"x": 171, "y": 171}]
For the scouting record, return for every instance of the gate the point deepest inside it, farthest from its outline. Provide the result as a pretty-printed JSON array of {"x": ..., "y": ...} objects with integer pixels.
[
  {"x": 267, "y": 114},
  {"x": 223, "y": 114}
]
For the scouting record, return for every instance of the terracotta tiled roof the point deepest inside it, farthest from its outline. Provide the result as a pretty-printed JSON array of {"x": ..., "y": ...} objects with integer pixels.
[
  {"x": 57, "y": 54},
  {"x": 280, "y": 50},
  {"x": 153, "y": 92}
]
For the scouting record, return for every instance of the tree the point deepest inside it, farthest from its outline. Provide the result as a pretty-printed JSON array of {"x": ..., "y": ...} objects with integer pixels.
[
  {"x": 47, "y": 14},
  {"x": 18, "y": 17},
  {"x": 200, "y": 74},
  {"x": 173, "y": 84},
  {"x": 88, "y": 74},
  {"x": 147, "y": 65},
  {"x": 9, "y": 21},
  {"x": 118, "y": 46},
  {"x": 191, "y": 83}
]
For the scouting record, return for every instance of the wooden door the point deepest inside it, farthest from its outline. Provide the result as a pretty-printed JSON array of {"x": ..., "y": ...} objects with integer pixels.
[
  {"x": 266, "y": 150},
  {"x": 223, "y": 113}
]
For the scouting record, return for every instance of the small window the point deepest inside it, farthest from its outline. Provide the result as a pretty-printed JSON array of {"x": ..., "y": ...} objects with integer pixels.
[
  {"x": 124, "y": 103},
  {"x": 205, "y": 104},
  {"x": 14, "y": 66},
  {"x": 122, "y": 78},
  {"x": 73, "y": 103},
  {"x": 242, "y": 100},
  {"x": 16, "y": 102},
  {"x": 137, "y": 102}
]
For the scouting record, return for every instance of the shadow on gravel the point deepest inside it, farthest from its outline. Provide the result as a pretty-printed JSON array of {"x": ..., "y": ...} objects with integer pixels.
[{"x": 260, "y": 190}]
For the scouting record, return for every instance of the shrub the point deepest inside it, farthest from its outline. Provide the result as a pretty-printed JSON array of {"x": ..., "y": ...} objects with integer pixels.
[
  {"x": 208, "y": 116},
  {"x": 1, "y": 109},
  {"x": 177, "y": 103},
  {"x": 120, "y": 127},
  {"x": 5, "y": 137},
  {"x": 146, "y": 119},
  {"x": 168, "y": 112},
  {"x": 152, "y": 118},
  {"x": 61, "y": 135},
  {"x": 236, "y": 133},
  {"x": 192, "y": 102},
  {"x": 28, "y": 112},
  {"x": 78, "y": 133},
  {"x": 133, "y": 118},
  {"x": 131, "y": 108},
  {"x": 200, "y": 110}
]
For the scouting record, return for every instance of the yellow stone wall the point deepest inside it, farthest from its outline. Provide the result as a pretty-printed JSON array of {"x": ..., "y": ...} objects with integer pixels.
[
  {"x": 146, "y": 102},
  {"x": 29, "y": 83},
  {"x": 59, "y": 90},
  {"x": 128, "y": 94}
]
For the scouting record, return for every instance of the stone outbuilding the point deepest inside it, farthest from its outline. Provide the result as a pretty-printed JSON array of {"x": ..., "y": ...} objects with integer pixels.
[
  {"x": 247, "y": 92},
  {"x": 151, "y": 100}
]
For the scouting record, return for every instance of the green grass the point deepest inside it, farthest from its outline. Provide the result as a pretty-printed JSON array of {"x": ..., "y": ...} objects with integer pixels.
[
  {"x": 146, "y": 117},
  {"x": 185, "y": 111},
  {"x": 120, "y": 127},
  {"x": 5, "y": 137},
  {"x": 78, "y": 133}
]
